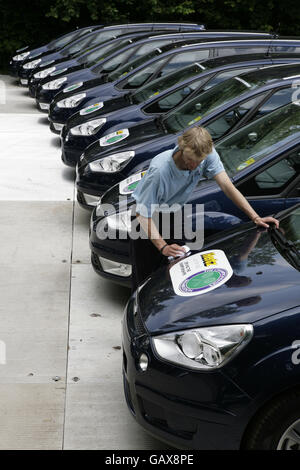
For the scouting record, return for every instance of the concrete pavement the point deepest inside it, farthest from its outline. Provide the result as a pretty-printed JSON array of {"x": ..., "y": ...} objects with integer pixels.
[{"x": 61, "y": 385}]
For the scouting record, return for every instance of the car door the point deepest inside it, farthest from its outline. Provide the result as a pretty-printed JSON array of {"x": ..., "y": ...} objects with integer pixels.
[{"x": 276, "y": 186}]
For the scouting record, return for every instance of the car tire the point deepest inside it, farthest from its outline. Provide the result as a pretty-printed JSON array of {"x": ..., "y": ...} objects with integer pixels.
[{"x": 277, "y": 425}]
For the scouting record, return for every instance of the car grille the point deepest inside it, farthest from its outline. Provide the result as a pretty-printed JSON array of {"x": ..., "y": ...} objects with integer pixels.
[
  {"x": 138, "y": 324},
  {"x": 111, "y": 196}
]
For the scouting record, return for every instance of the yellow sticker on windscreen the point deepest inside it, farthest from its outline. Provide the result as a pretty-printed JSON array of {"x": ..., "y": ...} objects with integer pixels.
[
  {"x": 248, "y": 162},
  {"x": 195, "y": 120}
]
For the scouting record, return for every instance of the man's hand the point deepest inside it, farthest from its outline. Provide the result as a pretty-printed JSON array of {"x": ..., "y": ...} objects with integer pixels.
[
  {"x": 173, "y": 250},
  {"x": 264, "y": 221}
]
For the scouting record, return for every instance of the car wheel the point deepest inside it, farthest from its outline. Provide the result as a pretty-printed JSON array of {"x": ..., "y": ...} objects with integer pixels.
[{"x": 277, "y": 426}]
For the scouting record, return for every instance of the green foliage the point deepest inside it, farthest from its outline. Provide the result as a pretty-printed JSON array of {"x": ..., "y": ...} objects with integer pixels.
[{"x": 36, "y": 22}]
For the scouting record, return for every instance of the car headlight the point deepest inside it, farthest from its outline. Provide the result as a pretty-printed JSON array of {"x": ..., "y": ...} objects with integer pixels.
[
  {"x": 32, "y": 64},
  {"x": 203, "y": 348},
  {"x": 44, "y": 73},
  {"x": 21, "y": 56},
  {"x": 54, "y": 84},
  {"x": 88, "y": 128},
  {"x": 113, "y": 163},
  {"x": 71, "y": 101}
]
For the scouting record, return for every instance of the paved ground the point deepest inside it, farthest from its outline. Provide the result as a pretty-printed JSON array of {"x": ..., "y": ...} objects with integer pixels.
[{"x": 61, "y": 386}]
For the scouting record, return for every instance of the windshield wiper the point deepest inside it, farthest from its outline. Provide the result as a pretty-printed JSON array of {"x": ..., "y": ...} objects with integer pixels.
[{"x": 287, "y": 246}]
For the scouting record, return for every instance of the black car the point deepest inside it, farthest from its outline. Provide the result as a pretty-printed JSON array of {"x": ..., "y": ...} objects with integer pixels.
[
  {"x": 134, "y": 75},
  {"x": 122, "y": 59},
  {"x": 211, "y": 343},
  {"x": 103, "y": 71},
  {"x": 263, "y": 161},
  {"x": 23, "y": 54},
  {"x": 88, "y": 42},
  {"x": 151, "y": 101},
  {"x": 84, "y": 60},
  {"x": 221, "y": 109}
]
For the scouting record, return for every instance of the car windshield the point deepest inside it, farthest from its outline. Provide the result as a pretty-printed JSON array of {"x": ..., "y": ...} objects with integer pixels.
[
  {"x": 258, "y": 139},
  {"x": 61, "y": 42},
  {"x": 166, "y": 81},
  {"x": 194, "y": 110},
  {"x": 90, "y": 41},
  {"x": 78, "y": 46},
  {"x": 102, "y": 52},
  {"x": 122, "y": 71}
]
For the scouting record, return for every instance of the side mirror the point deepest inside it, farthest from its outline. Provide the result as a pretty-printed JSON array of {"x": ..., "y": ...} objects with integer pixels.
[
  {"x": 253, "y": 136},
  {"x": 186, "y": 91}
]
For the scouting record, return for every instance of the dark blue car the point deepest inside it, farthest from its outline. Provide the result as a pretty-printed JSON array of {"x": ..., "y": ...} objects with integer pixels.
[
  {"x": 80, "y": 94},
  {"x": 95, "y": 64},
  {"x": 211, "y": 356},
  {"x": 96, "y": 74},
  {"x": 151, "y": 101},
  {"x": 263, "y": 161},
  {"x": 89, "y": 41},
  {"x": 111, "y": 68},
  {"x": 25, "y": 54},
  {"x": 221, "y": 109},
  {"x": 83, "y": 60}
]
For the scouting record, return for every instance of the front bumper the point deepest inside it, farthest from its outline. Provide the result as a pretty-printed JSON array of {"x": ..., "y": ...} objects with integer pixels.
[
  {"x": 43, "y": 107},
  {"x": 87, "y": 200},
  {"x": 187, "y": 409},
  {"x": 56, "y": 127}
]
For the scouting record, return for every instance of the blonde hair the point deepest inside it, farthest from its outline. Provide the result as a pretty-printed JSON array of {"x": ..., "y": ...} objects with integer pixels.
[{"x": 198, "y": 139}]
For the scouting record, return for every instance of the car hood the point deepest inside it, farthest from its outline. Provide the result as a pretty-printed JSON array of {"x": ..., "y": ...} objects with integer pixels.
[
  {"x": 263, "y": 284},
  {"x": 139, "y": 134},
  {"x": 109, "y": 106}
]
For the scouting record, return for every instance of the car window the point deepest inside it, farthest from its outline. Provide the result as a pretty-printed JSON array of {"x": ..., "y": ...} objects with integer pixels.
[
  {"x": 145, "y": 48},
  {"x": 105, "y": 36},
  {"x": 196, "y": 108},
  {"x": 232, "y": 51},
  {"x": 166, "y": 81},
  {"x": 254, "y": 141},
  {"x": 113, "y": 63},
  {"x": 63, "y": 41},
  {"x": 220, "y": 77},
  {"x": 140, "y": 77},
  {"x": 102, "y": 52},
  {"x": 275, "y": 178},
  {"x": 173, "y": 99},
  {"x": 227, "y": 121},
  {"x": 183, "y": 59},
  {"x": 285, "y": 49},
  {"x": 277, "y": 99}
]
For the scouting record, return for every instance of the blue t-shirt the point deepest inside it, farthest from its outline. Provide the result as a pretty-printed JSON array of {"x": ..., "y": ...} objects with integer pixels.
[{"x": 165, "y": 183}]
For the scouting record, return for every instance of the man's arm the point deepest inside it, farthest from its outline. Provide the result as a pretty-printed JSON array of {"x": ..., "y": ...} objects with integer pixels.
[
  {"x": 240, "y": 201},
  {"x": 153, "y": 234}
]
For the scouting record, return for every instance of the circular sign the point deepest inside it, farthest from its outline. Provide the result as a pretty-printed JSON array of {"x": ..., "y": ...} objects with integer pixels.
[{"x": 203, "y": 280}]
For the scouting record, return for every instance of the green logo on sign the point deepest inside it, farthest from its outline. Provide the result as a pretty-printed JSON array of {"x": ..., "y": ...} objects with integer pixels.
[
  {"x": 203, "y": 280},
  {"x": 114, "y": 139}
]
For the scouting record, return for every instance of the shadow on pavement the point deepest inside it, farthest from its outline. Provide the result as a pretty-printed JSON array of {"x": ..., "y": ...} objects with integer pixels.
[{"x": 69, "y": 174}]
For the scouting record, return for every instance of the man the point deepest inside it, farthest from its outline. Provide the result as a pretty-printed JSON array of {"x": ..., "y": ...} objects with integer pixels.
[{"x": 170, "y": 179}]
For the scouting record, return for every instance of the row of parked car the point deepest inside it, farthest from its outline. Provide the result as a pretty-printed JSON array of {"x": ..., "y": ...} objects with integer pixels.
[{"x": 211, "y": 351}]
